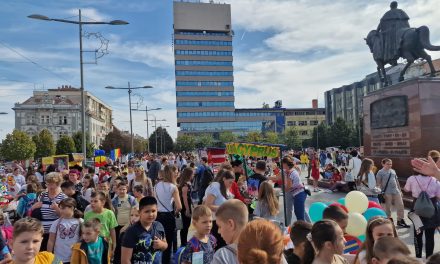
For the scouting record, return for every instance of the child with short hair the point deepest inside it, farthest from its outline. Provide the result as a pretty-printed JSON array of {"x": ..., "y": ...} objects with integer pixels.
[
  {"x": 26, "y": 242},
  {"x": 144, "y": 241},
  {"x": 138, "y": 192},
  {"x": 105, "y": 216},
  {"x": 200, "y": 248},
  {"x": 267, "y": 204},
  {"x": 231, "y": 217},
  {"x": 302, "y": 251},
  {"x": 386, "y": 248},
  {"x": 122, "y": 203},
  {"x": 68, "y": 189},
  {"x": 92, "y": 249},
  {"x": 336, "y": 214}
]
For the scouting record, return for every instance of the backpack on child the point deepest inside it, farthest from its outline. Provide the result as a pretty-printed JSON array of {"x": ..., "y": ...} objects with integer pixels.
[{"x": 195, "y": 247}]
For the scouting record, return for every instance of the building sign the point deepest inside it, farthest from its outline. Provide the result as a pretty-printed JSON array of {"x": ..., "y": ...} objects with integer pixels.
[
  {"x": 396, "y": 143},
  {"x": 389, "y": 112},
  {"x": 254, "y": 150}
]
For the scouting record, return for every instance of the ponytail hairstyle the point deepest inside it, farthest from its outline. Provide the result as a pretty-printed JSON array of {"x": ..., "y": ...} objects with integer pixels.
[
  {"x": 227, "y": 174},
  {"x": 364, "y": 170},
  {"x": 266, "y": 195},
  {"x": 70, "y": 202},
  {"x": 260, "y": 242},
  {"x": 103, "y": 197},
  {"x": 323, "y": 231}
]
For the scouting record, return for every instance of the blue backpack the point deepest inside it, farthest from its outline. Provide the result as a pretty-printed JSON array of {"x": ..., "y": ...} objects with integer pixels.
[
  {"x": 195, "y": 246},
  {"x": 26, "y": 209}
]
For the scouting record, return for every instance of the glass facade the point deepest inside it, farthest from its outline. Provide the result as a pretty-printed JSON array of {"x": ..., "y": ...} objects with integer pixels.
[
  {"x": 219, "y": 126},
  {"x": 203, "y": 52},
  {"x": 203, "y": 93},
  {"x": 202, "y": 42},
  {"x": 204, "y": 33},
  {"x": 205, "y": 104},
  {"x": 203, "y": 73},
  {"x": 206, "y": 114},
  {"x": 203, "y": 83},
  {"x": 203, "y": 63}
]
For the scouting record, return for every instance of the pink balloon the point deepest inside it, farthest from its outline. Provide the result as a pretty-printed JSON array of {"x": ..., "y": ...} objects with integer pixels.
[
  {"x": 340, "y": 205},
  {"x": 372, "y": 204}
]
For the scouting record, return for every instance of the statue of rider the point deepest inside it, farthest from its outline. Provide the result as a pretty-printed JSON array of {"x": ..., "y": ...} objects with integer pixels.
[{"x": 391, "y": 27}]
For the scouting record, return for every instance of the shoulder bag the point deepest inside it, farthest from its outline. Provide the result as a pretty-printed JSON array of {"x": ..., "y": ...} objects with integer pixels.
[
  {"x": 177, "y": 217},
  {"x": 381, "y": 195}
]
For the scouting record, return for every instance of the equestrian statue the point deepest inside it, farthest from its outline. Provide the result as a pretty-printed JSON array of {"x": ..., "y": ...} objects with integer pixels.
[{"x": 394, "y": 39}]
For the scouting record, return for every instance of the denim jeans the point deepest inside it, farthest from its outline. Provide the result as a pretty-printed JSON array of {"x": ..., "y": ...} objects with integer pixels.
[{"x": 299, "y": 201}]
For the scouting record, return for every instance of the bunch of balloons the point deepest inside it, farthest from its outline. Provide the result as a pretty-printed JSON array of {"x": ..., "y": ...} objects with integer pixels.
[{"x": 359, "y": 210}]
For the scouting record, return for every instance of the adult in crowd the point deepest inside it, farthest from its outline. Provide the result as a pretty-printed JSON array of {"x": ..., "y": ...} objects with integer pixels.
[
  {"x": 203, "y": 178},
  {"x": 185, "y": 189},
  {"x": 354, "y": 165},
  {"x": 18, "y": 177},
  {"x": 295, "y": 191},
  {"x": 167, "y": 194},
  {"x": 366, "y": 181},
  {"x": 315, "y": 172},
  {"x": 255, "y": 180},
  {"x": 48, "y": 204},
  {"x": 389, "y": 184},
  {"x": 304, "y": 160},
  {"x": 216, "y": 194},
  {"x": 153, "y": 170}
]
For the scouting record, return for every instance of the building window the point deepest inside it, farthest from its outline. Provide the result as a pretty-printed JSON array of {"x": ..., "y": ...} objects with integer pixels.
[
  {"x": 205, "y": 83},
  {"x": 44, "y": 119},
  {"x": 202, "y": 63},
  {"x": 205, "y": 104},
  {"x": 206, "y": 93},
  {"x": 62, "y": 120},
  {"x": 313, "y": 122},
  {"x": 204, "y": 33},
  {"x": 304, "y": 132},
  {"x": 291, "y": 123},
  {"x": 203, "y": 42},
  {"x": 203, "y": 73},
  {"x": 203, "y": 52},
  {"x": 30, "y": 120},
  {"x": 302, "y": 123}
]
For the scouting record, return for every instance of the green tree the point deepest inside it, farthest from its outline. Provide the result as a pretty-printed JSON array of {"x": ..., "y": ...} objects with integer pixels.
[
  {"x": 341, "y": 134},
  {"x": 185, "y": 143},
  {"x": 272, "y": 138},
  {"x": 115, "y": 139},
  {"x": 164, "y": 141},
  {"x": 45, "y": 145},
  {"x": 254, "y": 137},
  {"x": 17, "y": 146},
  {"x": 226, "y": 137},
  {"x": 140, "y": 144},
  {"x": 65, "y": 145},
  {"x": 90, "y": 147},
  {"x": 291, "y": 138},
  {"x": 322, "y": 137},
  {"x": 204, "y": 141}
]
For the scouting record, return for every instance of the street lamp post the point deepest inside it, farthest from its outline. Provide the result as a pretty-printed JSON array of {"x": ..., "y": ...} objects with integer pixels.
[
  {"x": 80, "y": 23},
  {"x": 146, "y": 115},
  {"x": 161, "y": 138},
  {"x": 129, "y": 88},
  {"x": 155, "y": 127}
]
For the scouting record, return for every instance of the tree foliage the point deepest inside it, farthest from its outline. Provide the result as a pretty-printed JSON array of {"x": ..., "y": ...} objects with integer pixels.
[
  {"x": 164, "y": 141},
  {"x": 339, "y": 134},
  {"x": 272, "y": 138},
  {"x": 65, "y": 145},
  {"x": 90, "y": 147},
  {"x": 115, "y": 139},
  {"x": 290, "y": 138},
  {"x": 45, "y": 145},
  {"x": 140, "y": 144},
  {"x": 204, "y": 141},
  {"x": 226, "y": 137},
  {"x": 185, "y": 143},
  {"x": 254, "y": 137},
  {"x": 17, "y": 146}
]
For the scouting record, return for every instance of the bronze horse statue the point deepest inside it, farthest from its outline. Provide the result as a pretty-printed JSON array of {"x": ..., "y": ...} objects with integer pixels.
[{"x": 412, "y": 47}]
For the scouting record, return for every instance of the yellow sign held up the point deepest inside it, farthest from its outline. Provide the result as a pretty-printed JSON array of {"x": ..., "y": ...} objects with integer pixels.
[{"x": 254, "y": 150}]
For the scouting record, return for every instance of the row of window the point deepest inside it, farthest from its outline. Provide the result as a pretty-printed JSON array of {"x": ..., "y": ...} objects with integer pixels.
[
  {"x": 203, "y": 42},
  {"x": 204, "y": 33},
  {"x": 247, "y": 126},
  {"x": 302, "y": 123},
  {"x": 205, "y": 93},
  {"x": 203, "y": 63},
  {"x": 203, "y": 83},
  {"x": 223, "y": 114},
  {"x": 45, "y": 119},
  {"x": 204, "y": 52},
  {"x": 205, "y": 104},
  {"x": 204, "y": 73},
  {"x": 253, "y": 114}
]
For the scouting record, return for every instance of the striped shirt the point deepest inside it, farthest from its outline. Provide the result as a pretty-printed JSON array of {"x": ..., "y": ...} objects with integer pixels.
[
  {"x": 297, "y": 185},
  {"x": 48, "y": 214}
]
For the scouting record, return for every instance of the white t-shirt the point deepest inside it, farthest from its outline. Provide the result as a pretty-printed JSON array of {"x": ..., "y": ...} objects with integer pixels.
[
  {"x": 130, "y": 176},
  {"x": 214, "y": 190},
  {"x": 354, "y": 165},
  {"x": 164, "y": 195},
  {"x": 96, "y": 179},
  {"x": 20, "y": 180},
  {"x": 87, "y": 194},
  {"x": 40, "y": 177},
  {"x": 66, "y": 235}
]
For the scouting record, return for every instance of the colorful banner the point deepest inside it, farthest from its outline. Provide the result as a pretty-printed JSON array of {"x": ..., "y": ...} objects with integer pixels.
[
  {"x": 115, "y": 154},
  {"x": 253, "y": 150}
]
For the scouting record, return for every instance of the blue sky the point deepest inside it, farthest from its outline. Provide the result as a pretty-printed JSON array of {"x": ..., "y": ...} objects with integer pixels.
[{"x": 292, "y": 50}]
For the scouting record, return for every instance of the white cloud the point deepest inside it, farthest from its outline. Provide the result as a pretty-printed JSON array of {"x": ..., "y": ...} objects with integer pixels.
[
  {"x": 90, "y": 14},
  {"x": 152, "y": 54}
]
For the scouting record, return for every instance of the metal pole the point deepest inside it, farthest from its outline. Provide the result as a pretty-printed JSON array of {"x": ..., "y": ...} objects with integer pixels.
[
  {"x": 155, "y": 132},
  {"x": 131, "y": 120},
  {"x": 148, "y": 134},
  {"x": 83, "y": 101},
  {"x": 161, "y": 139},
  {"x": 284, "y": 190}
]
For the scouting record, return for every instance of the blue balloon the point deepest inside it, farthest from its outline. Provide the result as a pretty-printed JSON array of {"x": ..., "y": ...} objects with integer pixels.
[
  {"x": 372, "y": 212},
  {"x": 362, "y": 238},
  {"x": 316, "y": 211},
  {"x": 341, "y": 201}
]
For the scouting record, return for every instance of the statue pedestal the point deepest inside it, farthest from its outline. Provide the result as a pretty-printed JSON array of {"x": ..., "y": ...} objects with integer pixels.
[{"x": 401, "y": 122}]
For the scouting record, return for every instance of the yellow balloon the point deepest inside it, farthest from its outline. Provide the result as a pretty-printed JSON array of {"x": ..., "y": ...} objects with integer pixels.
[
  {"x": 357, "y": 224},
  {"x": 356, "y": 202}
]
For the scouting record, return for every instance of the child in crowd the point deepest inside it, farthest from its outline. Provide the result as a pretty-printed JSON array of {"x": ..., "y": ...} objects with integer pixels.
[
  {"x": 104, "y": 186},
  {"x": 267, "y": 205},
  {"x": 232, "y": 217},
  {"x": 328, "y": 241},
  {"x": 200, "y": 248},
  {"x": 28, "y": 235},
  {"x": 144, "y": 241},
  {"x": 68, "y": 189},
  {"x": 134, "y": 217},
  {"x": 138, "y": 192},
  {"x": 185, "y": 189},
  {"x": 302, "y": 251},
  {"x": 114, "y": 186},
  {"x": 88, "y": 187},
  {"x": 26, "y": 201},
  {"x": 74, "y": 178},
  {"x": 366, "y": 180},
  {"x": 386, "y": 248},
  {"x": 92, "y": 249},
  {"x": 336, "y": 214},
  {"x": 65, "y": 231},
  {"x": 260, "y": 242},
  {"x": 377, "y": 227},
  {"x": 105, "y": 216},
  {"x": 122, "y": 203},
  {"x": 5, "y": 254}
]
